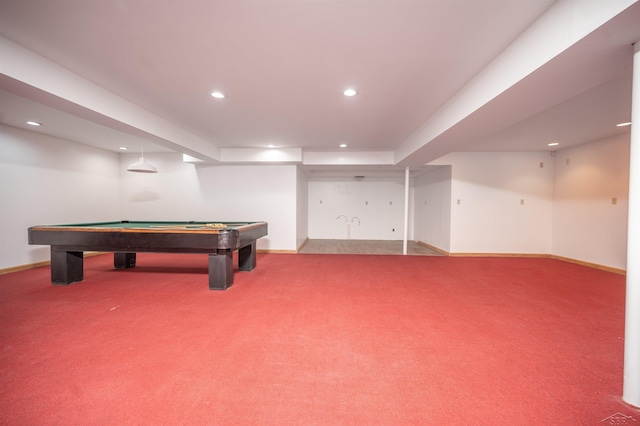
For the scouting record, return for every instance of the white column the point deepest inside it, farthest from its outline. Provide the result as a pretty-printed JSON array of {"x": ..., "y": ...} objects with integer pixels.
[
  {"x": 631, "y": 388},
  {"x": 406, "y": 210}
]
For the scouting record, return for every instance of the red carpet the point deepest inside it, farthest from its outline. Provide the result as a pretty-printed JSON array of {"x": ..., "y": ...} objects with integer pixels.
[{"x": 314, "y": 339}]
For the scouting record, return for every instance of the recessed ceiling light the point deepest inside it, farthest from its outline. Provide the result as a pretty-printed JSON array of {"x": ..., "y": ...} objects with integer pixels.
[
  {"x": 271, "y": 145},
  {"x": 350, "y": 92},
  {"x": 343, "y": 145},
  {"x": 623, "y": 124},
  {"x": 123, "y": 148},
  {"x": 218, "y": 95},
  {"x": 34, "y": 123},
  {"x": 553, "y": 144}
]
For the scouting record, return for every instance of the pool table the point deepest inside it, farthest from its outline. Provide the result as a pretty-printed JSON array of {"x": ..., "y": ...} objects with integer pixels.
[{"x": 126, "y": 238}]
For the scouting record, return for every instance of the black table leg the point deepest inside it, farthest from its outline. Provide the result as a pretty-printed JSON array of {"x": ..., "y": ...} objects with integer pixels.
[
  {"x": 220, "y": 270},
  {"x": 247, "y": 257},
  {"x": 66, "y": 266},
  {"x": 124, "y": 260}
]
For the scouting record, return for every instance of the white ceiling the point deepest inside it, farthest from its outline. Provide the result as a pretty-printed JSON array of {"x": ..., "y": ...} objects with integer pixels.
[{"x": 284, "y": 64}]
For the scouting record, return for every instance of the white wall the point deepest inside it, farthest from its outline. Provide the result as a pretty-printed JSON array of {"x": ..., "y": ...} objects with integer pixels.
[
  {"x": 45, "y": 181},
  {"x": 587, "y": 226},
  {"x": 433, "y": 207},
  {"x": 501, "y": 202},
  {"x": 171, "y": 194},
  {"x": 181, "y": 191},
  {"x": 302, "y": 206},
  {"x": 378, "y": 203}
]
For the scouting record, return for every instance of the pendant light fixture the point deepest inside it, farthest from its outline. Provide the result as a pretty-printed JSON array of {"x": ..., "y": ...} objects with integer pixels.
[{"x": 142, "y": 166}]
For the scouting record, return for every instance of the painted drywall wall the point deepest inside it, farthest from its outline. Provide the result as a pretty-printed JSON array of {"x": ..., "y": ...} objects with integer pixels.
[
  {"x": 370, "y": 209},
  {"x": 433, "y": 207},
  {"x": 302, "y": 207},
  {"x": 171, "y": 194},
  {"x": 591, "y": 202},
  {"x": 501, "y": 202},
  {"x": 181, "y": 191},
  {"x": 46, "y": 181}
]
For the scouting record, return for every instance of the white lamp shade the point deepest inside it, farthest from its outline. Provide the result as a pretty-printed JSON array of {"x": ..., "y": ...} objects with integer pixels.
[{"x": 142, "y": 167}]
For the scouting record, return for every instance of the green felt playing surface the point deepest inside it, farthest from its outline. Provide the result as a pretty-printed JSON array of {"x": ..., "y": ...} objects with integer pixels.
[{"x": 136, "y": 224}]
